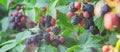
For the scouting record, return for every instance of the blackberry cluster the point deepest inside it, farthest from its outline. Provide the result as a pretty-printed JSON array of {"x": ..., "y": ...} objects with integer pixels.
[
  {"x": 89, "y": 23},
  {"x": 83, "y": 17},
  {"x": 50, "y": 24},
  {"x": 47, "y": 21},
  {"x": 18, "y": 21},
  {"x": 50, "y": 39},
  {"x": 36, "y": 40}
]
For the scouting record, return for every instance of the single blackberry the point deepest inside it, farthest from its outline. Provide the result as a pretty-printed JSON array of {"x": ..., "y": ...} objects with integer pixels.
[
  {"x": 56, "y": 29},
  {"x": 105, "y": 9},
  {"x": 88, "y": 22},
  {"x": 76, "y": 19},
  {"x": 47, "y": 24},
  {"x": 71, "y": 7},
  {"x": 48, "y": 18},
  {"x": 47, "y": 38},
  {"x": 89, "y": 8},
  {"x": 55, "y": 42},
  {"x": 39, "y": 35},
  {"x": 94, "y": 30}
]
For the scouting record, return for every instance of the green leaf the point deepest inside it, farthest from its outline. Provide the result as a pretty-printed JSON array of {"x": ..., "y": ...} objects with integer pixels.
[
  {"x": 112, "y": 39},
  {"x": 41, "y": 3},
  {"x": 73, "y": 48},
  {"x": 63, "y": 9},
  {"x": 31, "y": 14},
  {"x": 8, "y": 47},
  {"x": 7, "y": 42},
  {"x": 22, "y": 36},
  {"x": 61, "y": 48},
  {"x": 99, "y": 23},
  {"x": 88, "y": 40},
  {"x": 5, "y": 23},
  {"x": 5, "y": 3},
  {"x": 50, "y": 49},
  {"x": 69, "y": 41},
  {"x": 64, "y": 21},
  {"x": 52, "y": 9},
  {"x": 20, "y": 48}
]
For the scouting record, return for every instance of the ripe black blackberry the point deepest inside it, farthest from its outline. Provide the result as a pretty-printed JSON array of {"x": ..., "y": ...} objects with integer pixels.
[
  {"x": 105, "y": 9},
  {"x": 88, "y": 23},
  {"x": 76, "y": 19},
  {"x": 47, "y": 38},
  {"x": 48, "y": 18},
  {"x": 56, "y": 29},
  {"x": 71, "y": 7},
  {"x": 39, "y": 35},
  {"x": 47, "y": 24},
  {"x": 89, "y": 8},
  {"x": 94, "y": 30},
  {"x": 55, "y": 42}
]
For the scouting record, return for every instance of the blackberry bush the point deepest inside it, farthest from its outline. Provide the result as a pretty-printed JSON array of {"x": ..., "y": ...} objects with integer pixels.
[{"x": 59, "y": 26}]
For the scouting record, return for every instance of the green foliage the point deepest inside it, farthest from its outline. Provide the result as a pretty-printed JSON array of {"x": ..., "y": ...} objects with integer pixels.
[{"x": 77, "y": 39}]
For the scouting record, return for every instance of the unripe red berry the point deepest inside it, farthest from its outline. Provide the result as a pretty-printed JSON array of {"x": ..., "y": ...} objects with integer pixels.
[
  {"x": 49, "y": 29},
  {"x": 52, "y": 37},
  {"x": 61, "y": 39},
  {"x": 70, "y": 14},
  {"x": 77, "y": 5},
  {"x": 53, "y": 21},
  {"x": 42, "y": 19},
  {"x": 86, "y": 14},
  {"x": 31, "y": 23}
]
